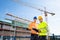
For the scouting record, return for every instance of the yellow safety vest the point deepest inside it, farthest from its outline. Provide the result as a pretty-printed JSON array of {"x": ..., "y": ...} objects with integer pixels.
[{"x": 43, "y": 28}]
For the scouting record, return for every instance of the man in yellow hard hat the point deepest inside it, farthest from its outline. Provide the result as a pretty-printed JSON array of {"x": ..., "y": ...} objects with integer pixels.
[{"x": 42, "y": 27}]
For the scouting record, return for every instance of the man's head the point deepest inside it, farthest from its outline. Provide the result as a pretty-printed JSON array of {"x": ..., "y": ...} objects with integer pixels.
[
  {"x": 40, "y": 18},
  {"x": 35, "y": 18}
]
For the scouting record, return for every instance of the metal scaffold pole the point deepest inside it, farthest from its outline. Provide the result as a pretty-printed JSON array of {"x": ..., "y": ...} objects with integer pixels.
[{"x": 2, "y": 33}]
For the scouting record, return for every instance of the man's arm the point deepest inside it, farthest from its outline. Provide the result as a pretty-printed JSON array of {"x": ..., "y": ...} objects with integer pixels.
[{"x": 29, "y": 27}]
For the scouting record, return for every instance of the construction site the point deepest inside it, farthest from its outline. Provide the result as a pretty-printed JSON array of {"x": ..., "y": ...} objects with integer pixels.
[{"x": 16, "y": 15}]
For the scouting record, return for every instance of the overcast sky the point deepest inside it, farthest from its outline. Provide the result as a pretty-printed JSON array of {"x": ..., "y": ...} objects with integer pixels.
[{"x": 28, "y": 13}]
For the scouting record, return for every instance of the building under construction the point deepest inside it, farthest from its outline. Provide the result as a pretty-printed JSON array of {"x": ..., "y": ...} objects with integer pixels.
[{"x": 12, "y": 32}]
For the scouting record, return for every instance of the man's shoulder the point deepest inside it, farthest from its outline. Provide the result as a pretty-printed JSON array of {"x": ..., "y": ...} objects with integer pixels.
[
  {"x": 31, "y": 23},
  {"x": 45, "y": 23}
]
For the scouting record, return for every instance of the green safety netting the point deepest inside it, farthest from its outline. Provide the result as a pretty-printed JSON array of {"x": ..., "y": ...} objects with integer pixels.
[{"x": 20, "y": 24}]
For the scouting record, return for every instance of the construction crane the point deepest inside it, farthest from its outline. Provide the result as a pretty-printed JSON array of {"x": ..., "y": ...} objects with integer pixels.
[
  {"x": 27, "y": 4},
  {"x": 45, "y": 12}
]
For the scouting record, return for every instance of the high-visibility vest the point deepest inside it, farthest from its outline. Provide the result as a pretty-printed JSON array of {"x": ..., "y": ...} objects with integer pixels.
[
  {"x": 31, "y": 26},
  {"x": 42, "y": 27}
]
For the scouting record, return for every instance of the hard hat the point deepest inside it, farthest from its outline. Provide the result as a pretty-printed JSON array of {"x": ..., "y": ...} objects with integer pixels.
[
  {"x": 40, "y": 17},
  {"x": 35, "y": 17}
]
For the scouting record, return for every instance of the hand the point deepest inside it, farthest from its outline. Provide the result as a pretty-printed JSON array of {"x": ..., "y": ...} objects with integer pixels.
[{"x": 37, "y": 33}]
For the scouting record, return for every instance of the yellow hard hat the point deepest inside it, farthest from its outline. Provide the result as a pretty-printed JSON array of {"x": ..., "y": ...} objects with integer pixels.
[{"x": 40, "y": 17}]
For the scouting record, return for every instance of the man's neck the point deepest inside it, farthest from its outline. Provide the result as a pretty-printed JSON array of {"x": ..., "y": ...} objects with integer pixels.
[
  {"x": 41, "y": 21},
  {"x": 34, "y": 22}
]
